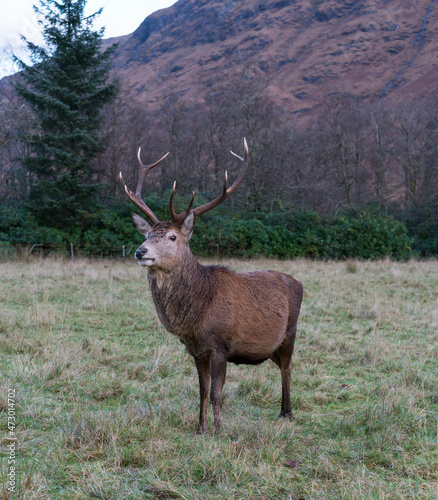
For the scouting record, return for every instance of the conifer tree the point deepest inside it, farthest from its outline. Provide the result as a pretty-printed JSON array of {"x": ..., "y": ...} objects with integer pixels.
[{"x": 66, "y": 87}]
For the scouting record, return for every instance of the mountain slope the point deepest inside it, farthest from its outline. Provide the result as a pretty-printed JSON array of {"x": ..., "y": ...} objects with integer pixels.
[{"x": 308, "y": 49}]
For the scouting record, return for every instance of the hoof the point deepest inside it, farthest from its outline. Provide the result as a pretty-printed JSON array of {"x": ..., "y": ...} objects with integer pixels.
[
  {"x": 287, "y": 416},
  {"x": 201, "y": 430}
]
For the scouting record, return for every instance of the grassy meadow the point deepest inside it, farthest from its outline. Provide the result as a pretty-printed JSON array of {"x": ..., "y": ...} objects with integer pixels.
[{"x": 107, "y": 400}]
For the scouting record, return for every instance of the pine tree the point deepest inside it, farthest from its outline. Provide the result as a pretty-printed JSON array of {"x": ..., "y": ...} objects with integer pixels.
[{"x": 66, "y": 87}]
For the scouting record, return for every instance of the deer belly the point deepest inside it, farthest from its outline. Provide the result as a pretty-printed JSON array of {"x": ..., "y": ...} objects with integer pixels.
[
  {"x": 251, "y": 354},
  {"x": 244, "y": 360},
  {"x": 256, "y": 344}
]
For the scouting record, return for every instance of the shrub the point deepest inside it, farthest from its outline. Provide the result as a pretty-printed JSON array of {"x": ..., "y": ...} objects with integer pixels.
[
  {"x": 282, "y": 244},
  {"x": 18, "y": 226},
  {"x": 364, "y": 236},
  {"x": 422, "y": 224},
  {"x": 283, "y": 235}
]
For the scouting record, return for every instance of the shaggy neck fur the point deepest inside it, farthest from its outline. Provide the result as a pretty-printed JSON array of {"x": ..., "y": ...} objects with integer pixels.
[{"x": 183, "y": 294}]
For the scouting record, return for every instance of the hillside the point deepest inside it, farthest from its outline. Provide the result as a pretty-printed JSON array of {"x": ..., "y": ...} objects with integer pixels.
[{"x": 308, "y": 49}]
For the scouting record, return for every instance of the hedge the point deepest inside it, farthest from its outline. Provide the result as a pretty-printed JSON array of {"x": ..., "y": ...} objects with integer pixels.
[{"x": 284, "y": 235}]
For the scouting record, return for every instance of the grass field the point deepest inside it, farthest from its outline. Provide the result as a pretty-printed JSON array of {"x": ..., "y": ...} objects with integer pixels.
[{"x": 107, "y": 400}]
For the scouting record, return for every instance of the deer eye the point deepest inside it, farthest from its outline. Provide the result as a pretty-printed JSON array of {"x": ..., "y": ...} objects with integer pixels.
[{"x": 173, "y": 237}]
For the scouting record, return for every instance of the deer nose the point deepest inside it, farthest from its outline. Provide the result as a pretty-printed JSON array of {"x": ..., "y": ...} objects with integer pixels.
[{"x": 140, "y": 252}]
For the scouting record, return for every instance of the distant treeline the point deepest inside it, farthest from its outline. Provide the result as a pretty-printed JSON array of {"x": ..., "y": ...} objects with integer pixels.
[{"x": 354, "y": 179}]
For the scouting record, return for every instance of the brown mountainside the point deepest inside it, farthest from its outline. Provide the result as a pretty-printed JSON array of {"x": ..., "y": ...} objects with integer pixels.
[{"x": 307, "y": 48}]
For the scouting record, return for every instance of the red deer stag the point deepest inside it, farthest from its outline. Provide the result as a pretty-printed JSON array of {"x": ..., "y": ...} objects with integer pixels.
[{"x": 219, "y": 315}]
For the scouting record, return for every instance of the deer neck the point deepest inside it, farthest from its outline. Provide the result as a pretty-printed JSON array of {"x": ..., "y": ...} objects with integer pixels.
[{"x": 182, "y": 294}]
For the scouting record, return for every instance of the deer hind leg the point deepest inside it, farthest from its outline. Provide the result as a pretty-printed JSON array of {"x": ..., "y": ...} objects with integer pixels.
[
  {"x": 203, "y": 367},
  {"x": 282, "y": 357},
  {"x": 218, "y": 366}
]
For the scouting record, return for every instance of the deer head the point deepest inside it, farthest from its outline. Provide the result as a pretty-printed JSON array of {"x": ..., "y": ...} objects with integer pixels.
[{"x": 166, "y": 241}]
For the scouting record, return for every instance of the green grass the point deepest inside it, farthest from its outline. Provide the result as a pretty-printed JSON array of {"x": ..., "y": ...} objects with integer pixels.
[{"x": 107, "y": 400}]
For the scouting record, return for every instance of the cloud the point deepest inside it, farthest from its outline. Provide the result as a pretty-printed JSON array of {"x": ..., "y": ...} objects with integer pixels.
[{"x": 18, "y": 18}]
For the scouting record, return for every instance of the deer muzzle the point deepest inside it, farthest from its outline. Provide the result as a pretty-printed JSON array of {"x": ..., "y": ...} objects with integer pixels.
[{"x": 141, "y": 254}]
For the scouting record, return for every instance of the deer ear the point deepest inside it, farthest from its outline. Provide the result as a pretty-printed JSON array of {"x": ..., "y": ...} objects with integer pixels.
[
  {"x": 141, "y": 224},
  {"x": 188, "y": 226}
]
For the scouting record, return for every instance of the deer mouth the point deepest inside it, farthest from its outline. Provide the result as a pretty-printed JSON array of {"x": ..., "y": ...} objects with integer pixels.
[{"x": 146, "y": 261}]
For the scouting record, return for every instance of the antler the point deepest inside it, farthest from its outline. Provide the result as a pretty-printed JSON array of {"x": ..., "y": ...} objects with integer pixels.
[
  {"x": 226, "y": 192},
  {"x": 178, "y": 219},
  {"x": 136, "y": 198}
]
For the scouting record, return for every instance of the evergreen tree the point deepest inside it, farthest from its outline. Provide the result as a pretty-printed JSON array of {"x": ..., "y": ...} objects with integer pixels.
[{"x": 67, "y": 87}]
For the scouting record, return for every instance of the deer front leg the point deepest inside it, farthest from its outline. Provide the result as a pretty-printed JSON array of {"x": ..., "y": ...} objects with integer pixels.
[
  {"x": 218, "y": 365},
  {"x": 203, "y": 367}
]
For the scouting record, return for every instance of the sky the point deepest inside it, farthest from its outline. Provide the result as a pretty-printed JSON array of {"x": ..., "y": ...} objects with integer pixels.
[{"x": 120, "y": 17}]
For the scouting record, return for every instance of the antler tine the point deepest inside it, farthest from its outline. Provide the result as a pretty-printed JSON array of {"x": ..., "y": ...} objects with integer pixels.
[
  {"x": 136, "y": 198},
  {"x": 226, "y": 192},
  {"x": 144, "y": 170},
  {"x": 178, "y": 219}
]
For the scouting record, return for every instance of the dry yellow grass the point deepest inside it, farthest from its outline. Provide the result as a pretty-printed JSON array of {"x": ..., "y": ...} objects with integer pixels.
[{"x": 107, "y": 401}]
